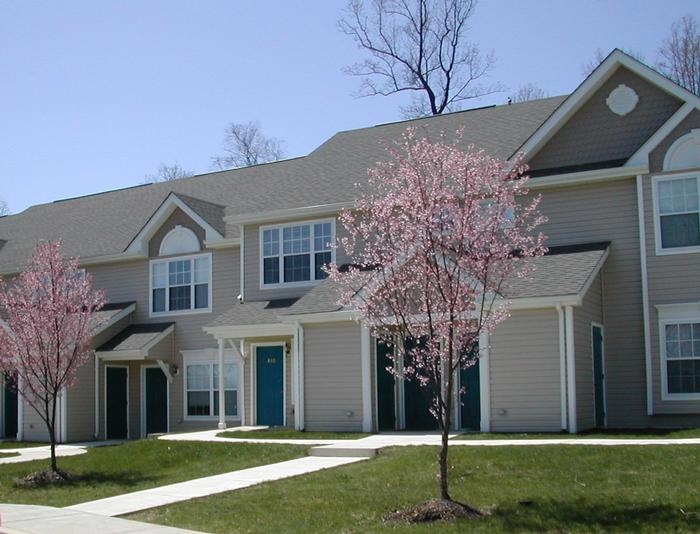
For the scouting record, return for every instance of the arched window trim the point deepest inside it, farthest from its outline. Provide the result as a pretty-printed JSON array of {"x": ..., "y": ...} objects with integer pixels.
[{"x": 179, "y": 240}]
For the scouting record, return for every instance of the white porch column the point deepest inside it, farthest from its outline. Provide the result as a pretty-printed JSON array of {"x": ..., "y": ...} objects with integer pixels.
[
  {"x": 366, "y": 366},
  {"x": 570, "y": 367},
  {"x": 96, "y": 435},
  {"x": 485, "y": 380},
  {"x": 20, "y": 411},
  {"x": 295, "y": 378},
  {"x": 222, "y": 393},
  {"x": 300, "y": 380}
]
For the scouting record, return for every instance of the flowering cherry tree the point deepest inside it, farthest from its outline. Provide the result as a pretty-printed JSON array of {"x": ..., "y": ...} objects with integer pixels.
[
  {"x": 435, "y": 236},
  {"x": 50, "y": 314}
]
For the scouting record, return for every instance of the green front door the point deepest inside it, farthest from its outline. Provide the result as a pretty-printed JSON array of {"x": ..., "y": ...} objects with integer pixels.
[
  {"x": 156, "y": 401},
  {"x": 417, "y": 401},
  {"x": 270, "y": 385},
  {"x": 470, "y": 398},
  {"x": 10, "y": 406},
  {"x": 598, "y": 374},
  {"x": 116, "y": 405},
  {"x": 386, "y": 405}
]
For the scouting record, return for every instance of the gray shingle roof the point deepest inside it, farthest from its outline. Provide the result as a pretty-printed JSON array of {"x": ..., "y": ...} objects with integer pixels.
[
  {"x": 106, "y": 223},
  {"x": 563, "y": 271},
  {"x": 254, "y": 313},
  {"x": 134, "y": 337}
]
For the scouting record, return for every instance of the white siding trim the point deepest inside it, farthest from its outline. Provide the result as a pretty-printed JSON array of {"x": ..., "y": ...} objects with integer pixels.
[
  {"x": 657, "y": 219},
  {"x": 671, "y": 314},
  {"x": 645, "y": 294},
  {"x": 366, "y": 378},
  {"x": 241, "y": 289},
  {"x": 63, "y": 424},
  {"x": 295, "y": 377},
  {"x": 641, "y": 156},
  {"x": 301, "y": 407},
  {"x": 485, "y": 381},
  {"x": 562, "y": 367},
  {"x": 222, "y": 392},
  {"x": 571, "y": 368},
  {"x": 20, "y": 409},
  {"x": 96, "y": 435},
  {"x": 254, "y": 375}
]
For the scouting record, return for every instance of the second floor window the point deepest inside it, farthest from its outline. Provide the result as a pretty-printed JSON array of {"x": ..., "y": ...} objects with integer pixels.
[
  {"x": 678, "y": 212},
  {"x": 296, "y": 253},
  {"x": 181, "y": 284}
]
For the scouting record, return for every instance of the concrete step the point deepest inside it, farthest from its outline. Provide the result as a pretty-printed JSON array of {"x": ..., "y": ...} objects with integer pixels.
[{"x": 340, "y": 451}]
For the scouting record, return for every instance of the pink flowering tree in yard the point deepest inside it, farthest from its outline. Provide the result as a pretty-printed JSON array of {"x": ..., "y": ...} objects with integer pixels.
[
  {"x": 50, "y": 314},
  {"x": 435, "y": 235}
]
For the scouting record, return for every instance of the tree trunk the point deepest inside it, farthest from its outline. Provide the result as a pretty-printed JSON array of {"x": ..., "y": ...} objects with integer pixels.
[
  {"x": 51, "y": 425},
  {"x": 446, "y": 425}
]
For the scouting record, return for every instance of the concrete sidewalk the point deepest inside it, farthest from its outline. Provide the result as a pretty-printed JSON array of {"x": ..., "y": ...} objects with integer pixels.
[
  {"x": 201, "y": 487},
  {"x": 43, "y": 452},
  {"x": 30, "y": 519}
]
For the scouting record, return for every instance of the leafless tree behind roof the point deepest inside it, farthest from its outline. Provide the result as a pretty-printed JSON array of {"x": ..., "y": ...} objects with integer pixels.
[
  {"x": 245, "y": 144},
  {"x": 679, "y": 54},
  {"x": 421, "y": 47},
  {"x": 168, "y": 173}
]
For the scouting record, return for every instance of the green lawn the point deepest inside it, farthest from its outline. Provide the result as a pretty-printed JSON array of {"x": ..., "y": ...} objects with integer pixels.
[
  {"x": 8, "y": 454},
  {"x": 525, "y": 489},
  {"x": 288, "y": 433},
  {"x": 20, "y": 444},
  {"x": 594, "y": 434},
  {"x": 106, "y": 471}
]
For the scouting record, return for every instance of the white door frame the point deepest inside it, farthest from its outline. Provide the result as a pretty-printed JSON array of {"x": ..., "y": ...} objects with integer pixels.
[
  {"x": 128, "y": 425},
  {"x": 254, "y": 376},
  {"x": 143, "y": 398}
]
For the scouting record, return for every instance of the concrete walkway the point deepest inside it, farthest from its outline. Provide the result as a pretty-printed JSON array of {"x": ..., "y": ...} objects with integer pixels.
[
  {"x": 43, "y": 452},
  {"x": 201, "y": 487},
  {"x": 30, "y": 519}
]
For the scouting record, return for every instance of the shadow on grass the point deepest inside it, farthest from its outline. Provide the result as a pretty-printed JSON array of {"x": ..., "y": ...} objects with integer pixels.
[
  {"x": 93, "y": 479},
  {"x": 536, "y": 516}
]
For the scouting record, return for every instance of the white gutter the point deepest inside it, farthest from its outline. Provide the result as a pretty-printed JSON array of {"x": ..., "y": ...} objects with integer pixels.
[
  {"x": 645, "y": 294},
  {"x": 571, "y": 367},
  {"x": 289, "y": 213},
  {"x": 365, "y": 360},
  {"x": 586, "y": 177},
  {"x": 562, "y": 367}
]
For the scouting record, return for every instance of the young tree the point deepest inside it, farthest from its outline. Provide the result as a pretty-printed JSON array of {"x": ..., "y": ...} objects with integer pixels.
[
  {"x": 245, "y": 145},
  {"x": 50, "y": 314},
  {"x": 528, "y": 91},
  {"x": 4, "y": 208},
  {"x": 680, "y": 54},
  {"x": 167, "y": 173},
  {"x": 434, "y": 236},
  {"x": 419, "y": 47}
]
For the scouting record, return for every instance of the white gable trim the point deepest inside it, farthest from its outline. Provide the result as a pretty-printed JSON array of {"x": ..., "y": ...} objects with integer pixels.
[
  {"x": 140, "y": 243},
  {"x": 595, "y": 80},
  {"x": 641, "y": 156}
]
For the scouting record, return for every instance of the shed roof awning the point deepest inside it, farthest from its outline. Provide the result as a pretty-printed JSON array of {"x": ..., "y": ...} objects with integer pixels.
[{"x": 135, "y": 341}]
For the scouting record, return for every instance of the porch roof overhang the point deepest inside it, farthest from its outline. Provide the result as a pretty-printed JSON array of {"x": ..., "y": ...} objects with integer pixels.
[
  {"x": 252, "y": 319},
  {"x": 134, "y": 342}
]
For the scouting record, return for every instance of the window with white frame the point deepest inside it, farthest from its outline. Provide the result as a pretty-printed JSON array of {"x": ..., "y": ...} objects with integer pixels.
[
  {"x": 181, "y": 284},
  {"x": 681, "y": 356},
  {"x": 202, "y": 389},
  {"x": 295, "y": 253},
  {"x": 677, "y": 212}
]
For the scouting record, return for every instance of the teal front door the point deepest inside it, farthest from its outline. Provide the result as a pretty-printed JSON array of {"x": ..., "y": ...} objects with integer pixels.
[
  {"x": 417, "y": 400},
  {"x": 117, "y": 403},
  {"x": 470, "y": 398},
  {"x": 386, "y": 404},
  {"x": 269, "y": 385}
]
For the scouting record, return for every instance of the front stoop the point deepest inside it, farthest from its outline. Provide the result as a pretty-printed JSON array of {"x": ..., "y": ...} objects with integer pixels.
[{"x": 342, "y": 451}]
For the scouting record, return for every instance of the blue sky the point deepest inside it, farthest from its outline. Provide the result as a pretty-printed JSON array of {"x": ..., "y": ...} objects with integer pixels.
[{"x": 95, "y": 95}]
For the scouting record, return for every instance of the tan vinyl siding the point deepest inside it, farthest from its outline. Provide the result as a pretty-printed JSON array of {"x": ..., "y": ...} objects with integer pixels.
[
  {"x": 524, "y": 365},
  {"x": 671, "y": 279},
  {"x": 596, "y": 134},
  {"x": 177, "y": 218},
  {"x": 333, "y": 377},
  {"x": 590, "y": 312},
  {"x": 34, "y": 428},
  {"x": 608, "y": 212},
  {"x": 251, "y": 245},
  {"x": 128, "y": 281},
  {"x": 81, "y": 404}
]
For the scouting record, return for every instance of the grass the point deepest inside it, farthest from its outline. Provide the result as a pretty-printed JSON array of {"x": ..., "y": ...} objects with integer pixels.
[
  {"x": 21, "y": 444},
  {"x": 8, "y": 454},
  {"x": 594, "y": 434},
  {"x": 525, "y": 489},
  {"x": 107, "y": 471},
  {"x": 288, "y": 433}
]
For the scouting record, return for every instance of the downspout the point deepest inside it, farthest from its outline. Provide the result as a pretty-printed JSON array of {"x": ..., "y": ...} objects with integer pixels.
[
  {"x": 295, "y": 376},
  {"x": 562, "y": 366},
  {"x": 241, "y": 348},
  {"x": 300, "y": 408},
  {"x": 570, "y": 367},
  {"x": 645, "y": 293}
]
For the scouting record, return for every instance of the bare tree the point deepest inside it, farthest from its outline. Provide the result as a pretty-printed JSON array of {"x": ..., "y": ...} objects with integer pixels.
[
  {"x": 4, "y": 208},
  {"x": 599, "y": 56},
  {"x": 420, "y": 47},
  {"x": 244, "y": 145},
  {"x": 528, "y": 91},
  {"x": 679, "y": 54},
  {"x": 167, "y": 173}
]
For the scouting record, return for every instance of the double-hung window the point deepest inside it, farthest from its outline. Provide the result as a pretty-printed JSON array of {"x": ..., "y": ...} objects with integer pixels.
[
  {"x": 677, "y": 203},
  {"x": 680, "y": 347},
  {"x": 181, "y": 284},
  {"x": 202, "y": 389},
  {"x": 296, "y": 253}
]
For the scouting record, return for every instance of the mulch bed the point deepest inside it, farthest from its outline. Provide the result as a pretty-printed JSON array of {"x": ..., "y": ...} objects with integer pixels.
[
  {"x": 435, "y": 510},
  {"x": 43, "y": 478}
]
